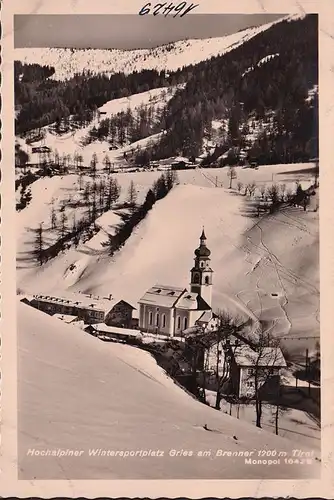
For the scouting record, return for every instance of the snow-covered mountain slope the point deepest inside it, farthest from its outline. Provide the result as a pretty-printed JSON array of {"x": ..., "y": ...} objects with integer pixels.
[
  {"x": 278, "y": 255},
  {"x": 76, "y": 393},
  {"x": 68, "y": 62}
]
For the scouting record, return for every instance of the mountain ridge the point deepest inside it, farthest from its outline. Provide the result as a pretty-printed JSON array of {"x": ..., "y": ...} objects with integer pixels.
[{"x": 172, "y": 56}]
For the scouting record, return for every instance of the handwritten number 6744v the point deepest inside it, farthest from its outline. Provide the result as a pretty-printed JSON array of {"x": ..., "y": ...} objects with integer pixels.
[{"x": 165, "y": 10}]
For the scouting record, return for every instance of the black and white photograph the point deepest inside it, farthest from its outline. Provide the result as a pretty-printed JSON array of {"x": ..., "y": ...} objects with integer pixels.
[{"x": 167, "y": 246}]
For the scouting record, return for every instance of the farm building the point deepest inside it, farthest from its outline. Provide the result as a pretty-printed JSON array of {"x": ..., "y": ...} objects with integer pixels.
[{"x": 89, "y": 308}]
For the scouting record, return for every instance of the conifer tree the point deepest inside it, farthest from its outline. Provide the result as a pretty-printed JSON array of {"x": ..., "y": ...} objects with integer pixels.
[
  {"x": 39, "y": 243},
  {"x": 132, "y": 195}
]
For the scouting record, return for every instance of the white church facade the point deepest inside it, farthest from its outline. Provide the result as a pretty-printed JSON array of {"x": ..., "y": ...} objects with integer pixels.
[{"x": 171, "y": 310}]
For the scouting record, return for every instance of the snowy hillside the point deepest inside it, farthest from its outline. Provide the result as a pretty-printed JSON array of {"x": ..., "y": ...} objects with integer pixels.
[
  {"x": 68, "y": 62},
  {"x": 76, "y": 393},
  {"x": 76, "y": 141},
  {"x": 246, "y": 256}
]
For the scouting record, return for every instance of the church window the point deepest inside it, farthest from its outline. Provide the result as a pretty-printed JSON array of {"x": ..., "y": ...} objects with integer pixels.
[
  {"x": 196, "y": 278},
  {"x": 207, "y": 280},
  {"x": 157, "y": 319},
  {"x": 150, "y": 318},
  {"x": 202, "y": 264},
  {"x": 185, "y": 323},
  {"x": 163, "y": 320},
  {"x": 178, "y": 322}
]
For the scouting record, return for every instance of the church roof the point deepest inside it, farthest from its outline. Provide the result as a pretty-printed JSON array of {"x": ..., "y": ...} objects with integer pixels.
[
  {"x": 188, "y": 300},
  {"x": 202, "y": 305},
  {"x": 205, "y": 317},
  {"x": 172, "y": 296},
  {"x": 202, "y": 251},
  {"x": 162, "y": 295}
]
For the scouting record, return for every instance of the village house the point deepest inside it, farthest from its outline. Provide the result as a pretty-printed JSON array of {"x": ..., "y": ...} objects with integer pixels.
[
  {"x": 243, "y": 368},
  {"x": 88, "y": 308},
  {"x": 172, "y": 310},
  {"x": 252, "y": 370}
]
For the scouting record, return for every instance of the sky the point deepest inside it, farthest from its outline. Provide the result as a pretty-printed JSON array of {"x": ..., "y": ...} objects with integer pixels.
[{"x": 126, "y": 31}]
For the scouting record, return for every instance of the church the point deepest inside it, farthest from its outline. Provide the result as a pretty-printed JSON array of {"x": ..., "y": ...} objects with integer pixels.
[{"x": 171, "y": 310}]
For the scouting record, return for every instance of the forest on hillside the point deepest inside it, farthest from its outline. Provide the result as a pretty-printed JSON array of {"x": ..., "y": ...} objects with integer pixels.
[
  {"x": 41, "y": 101},
  {"x": 225, "y": 88}
]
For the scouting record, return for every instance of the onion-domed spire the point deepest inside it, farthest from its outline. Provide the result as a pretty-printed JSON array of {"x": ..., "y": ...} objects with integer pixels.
[{"x": 202, "y": 250}]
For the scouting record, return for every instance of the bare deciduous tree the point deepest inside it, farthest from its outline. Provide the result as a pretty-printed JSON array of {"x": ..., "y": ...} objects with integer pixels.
[
  {"x": 282, "y": 189},
  {"x": 263, "y": 190},
  {"x": 251, "y": 188},
  {"x": 264, "y": 359},
  {"x": 220, "y": 349},
  {"x": 239, "y": 186},
  {"x": 232, "y": 174}
]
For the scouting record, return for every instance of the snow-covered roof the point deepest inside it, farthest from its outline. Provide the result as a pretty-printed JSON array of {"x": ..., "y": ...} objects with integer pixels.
[
  {"x": 179, "y": 159},
  {"x": 205, "y": 317},
  {"x": 80, "y": 300},
  {"x": 172, "y": 296},
  {"x": 266, "y": 356},
  {"x": 162, "y": 295},
  {"x": 68, "y": 318},
  {"x": 193, "y": 330},
  {"x": 187, "y": 301},
  {"x": 103, "y": 328}
]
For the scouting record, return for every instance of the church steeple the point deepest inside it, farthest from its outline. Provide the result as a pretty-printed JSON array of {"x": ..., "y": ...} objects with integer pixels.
[{"x": 201, "y": 273}]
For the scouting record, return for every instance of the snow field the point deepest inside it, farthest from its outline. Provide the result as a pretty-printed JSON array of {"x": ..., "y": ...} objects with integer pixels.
[
  {"x": 293, "y": 424},
  {"x": 114, "y": 397}
]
